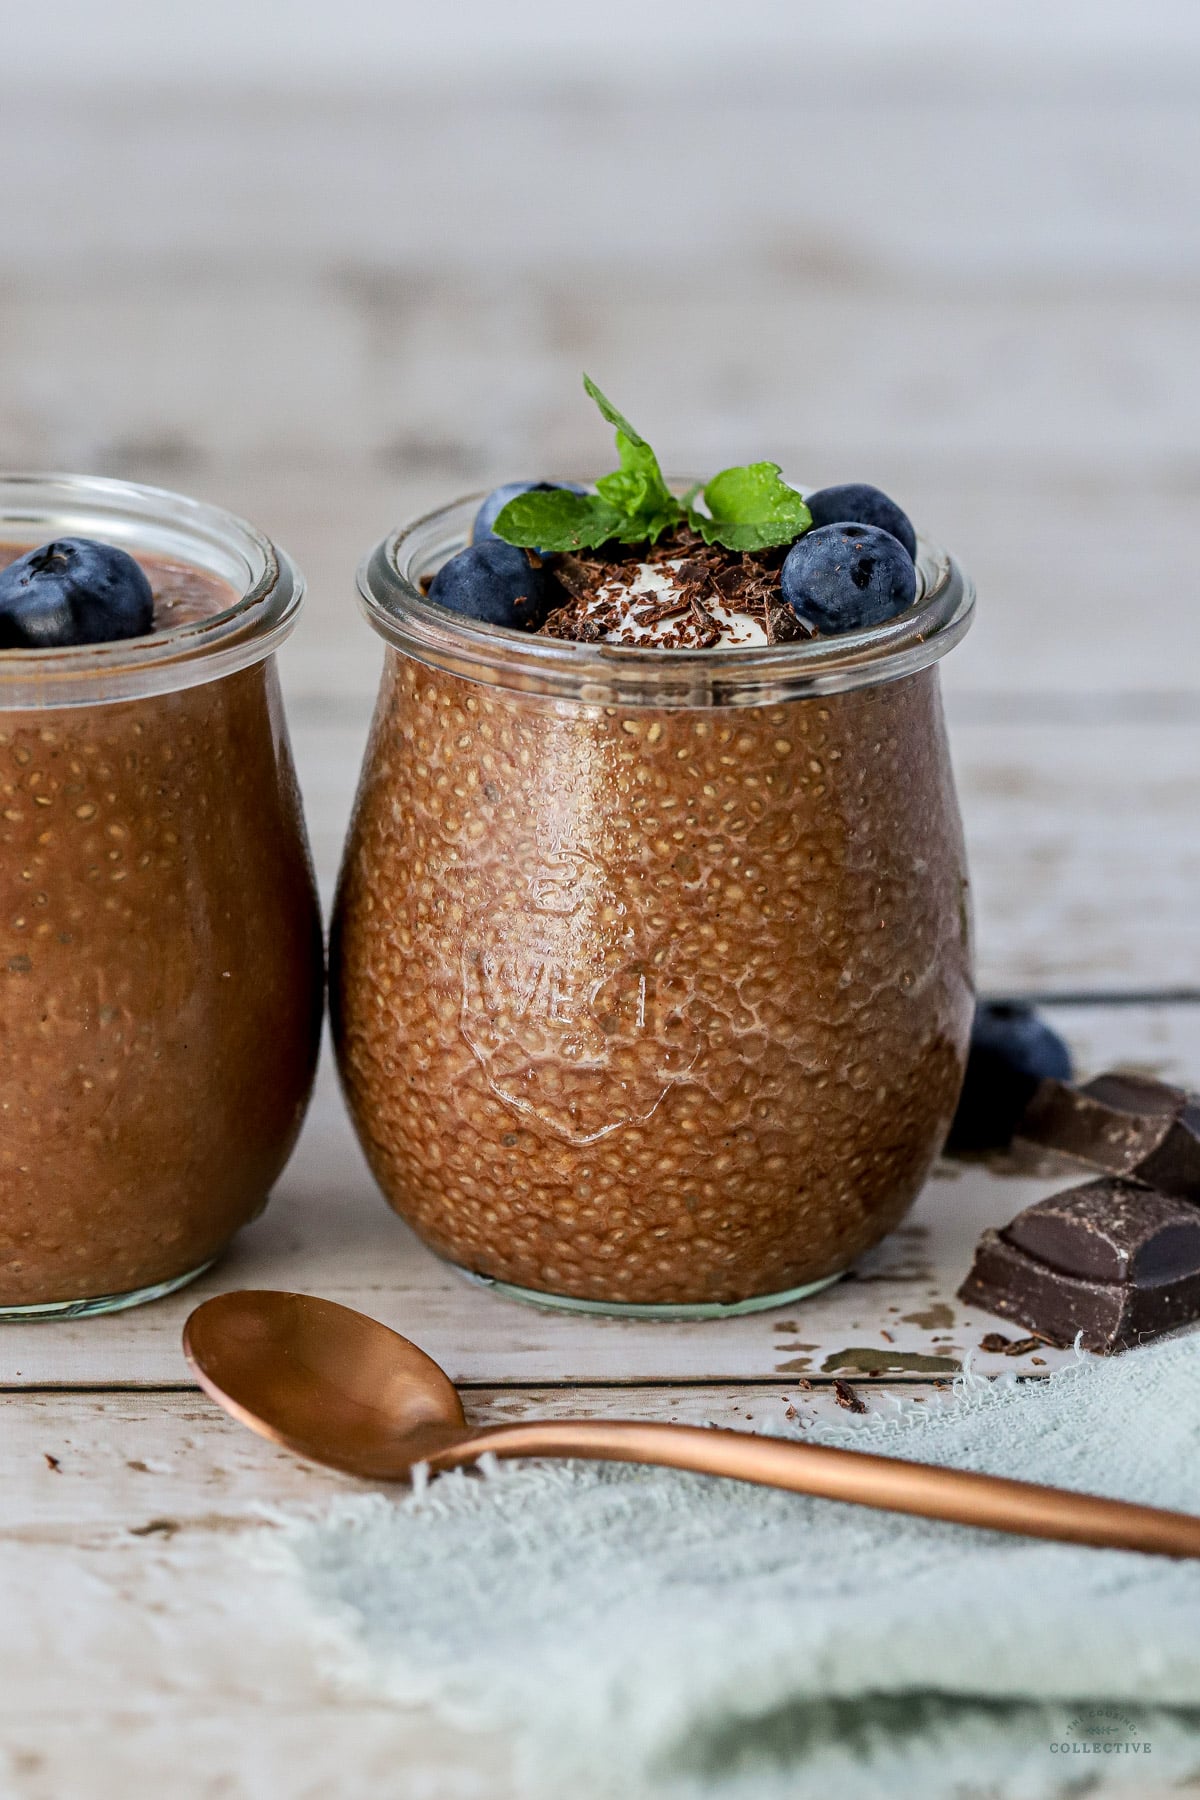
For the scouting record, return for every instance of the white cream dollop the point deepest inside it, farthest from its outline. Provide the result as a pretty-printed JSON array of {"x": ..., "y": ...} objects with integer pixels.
[{"x": 648, "y": 586}]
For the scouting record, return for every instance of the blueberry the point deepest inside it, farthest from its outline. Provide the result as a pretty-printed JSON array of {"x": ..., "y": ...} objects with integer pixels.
[
  {"x": 73, "y": 591},
  {"x": 862, "y": 504},
  {"x": 843, "y": 577},
  {"x": 495, "y": 582},
  {"x": 1012, "y": 1050},
  {"x": 498, "y": 499}
]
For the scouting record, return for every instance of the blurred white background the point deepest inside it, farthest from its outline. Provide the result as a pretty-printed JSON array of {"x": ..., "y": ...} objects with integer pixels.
[{"x": 364, "y": 43}]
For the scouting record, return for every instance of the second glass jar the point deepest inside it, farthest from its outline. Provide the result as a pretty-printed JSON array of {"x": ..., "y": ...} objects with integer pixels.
[{"x": 160, "y": 943}]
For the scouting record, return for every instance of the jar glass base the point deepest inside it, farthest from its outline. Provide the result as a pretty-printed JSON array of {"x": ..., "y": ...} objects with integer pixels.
[
  {"x": 616, "y": 1309},
  {"x": 103, "y": 1303}
]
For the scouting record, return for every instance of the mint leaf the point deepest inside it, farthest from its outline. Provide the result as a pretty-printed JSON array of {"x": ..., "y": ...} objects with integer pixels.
[
  {"x": 558, "y": 520},
  {"x": 637, "y": 493},
  {"x": 750, "y": 508},
  {"x": 636, "y": 490},
  {"x": 611, "y": 414}
]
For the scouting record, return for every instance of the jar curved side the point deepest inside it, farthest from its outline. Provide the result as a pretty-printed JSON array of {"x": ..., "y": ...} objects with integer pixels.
[
  {"x": 162, "y": 962},
  {"x": 652, "y": 1006}
]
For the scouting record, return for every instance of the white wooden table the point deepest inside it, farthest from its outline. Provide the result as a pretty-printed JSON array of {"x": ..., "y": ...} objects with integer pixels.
[{"x": 264, "y": 303}]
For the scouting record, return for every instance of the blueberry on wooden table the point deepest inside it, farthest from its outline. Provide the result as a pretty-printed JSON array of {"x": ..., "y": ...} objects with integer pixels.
[
  {"x": 494, "y": 582},
  {"x": 73, "y": 591},
  {"x": 1012, "y": 1052},
  {"x": 846, "y": 577},
  {"x": 858, "y": 503},
  {"x": 498, "y": 499}
]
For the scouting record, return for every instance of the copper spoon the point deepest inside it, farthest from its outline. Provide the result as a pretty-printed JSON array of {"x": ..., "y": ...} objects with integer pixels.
[{"x": 344, "y": 1390}]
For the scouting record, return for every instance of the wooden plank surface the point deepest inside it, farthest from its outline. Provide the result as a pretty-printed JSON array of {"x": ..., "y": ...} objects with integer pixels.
[
  {"x": 148, "y": 1649},
  {"x": 328, "y": 1232},
  {"x": 331, "y": 314},
  {"x": 144, "y": 1650}
]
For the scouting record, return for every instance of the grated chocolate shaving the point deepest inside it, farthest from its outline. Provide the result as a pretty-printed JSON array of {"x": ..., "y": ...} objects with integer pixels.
[
  {"x": 785, "y": 626},
  {"x": 703, "y": 575}
]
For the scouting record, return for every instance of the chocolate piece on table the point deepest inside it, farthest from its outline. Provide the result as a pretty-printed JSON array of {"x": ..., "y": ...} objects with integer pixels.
[
  {"x": 1111, "y": 1230},
  {"x": 1130, "y": 1125},
  {"x": 1112, "y": 1260},
  {"x": 996, "y": 1344}
]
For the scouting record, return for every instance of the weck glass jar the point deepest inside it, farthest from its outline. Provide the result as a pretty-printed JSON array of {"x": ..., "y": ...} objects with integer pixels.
[
  {"x": 161, "y": 968},
  {"x": 651, "y": 969}
]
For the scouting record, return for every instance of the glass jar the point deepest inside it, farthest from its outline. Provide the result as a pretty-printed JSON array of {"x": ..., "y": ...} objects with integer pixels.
[
  {"x": 651, "y": 970},
  {"x": 160, "y": 942}
]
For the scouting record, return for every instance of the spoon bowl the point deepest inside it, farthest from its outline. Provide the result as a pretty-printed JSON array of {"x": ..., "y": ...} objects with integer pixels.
[
  {"x": 323, "y": 1380},
  {"x": 341, "y": 1389}
]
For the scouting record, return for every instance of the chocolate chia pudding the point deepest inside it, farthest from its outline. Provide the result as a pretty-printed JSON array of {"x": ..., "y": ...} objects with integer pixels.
[
  {"x": 160, "y": 950},
  {"x": 651, "y": 965}
]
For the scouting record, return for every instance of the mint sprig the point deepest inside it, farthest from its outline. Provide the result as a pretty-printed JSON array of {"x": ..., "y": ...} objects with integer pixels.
[
  {"x": 748, "y": 508},
  {"x": 637, "y": 489}
]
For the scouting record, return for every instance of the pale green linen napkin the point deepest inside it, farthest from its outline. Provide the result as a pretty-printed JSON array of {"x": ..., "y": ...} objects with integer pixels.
[{"x": 642, "y": 1632}]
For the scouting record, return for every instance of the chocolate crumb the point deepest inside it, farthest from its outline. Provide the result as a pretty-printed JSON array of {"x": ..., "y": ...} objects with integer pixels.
[
  {"x": 52, "y": 1462},
  {"x": 845, "y": 1396},
  {"x": 577, "y": 576},
  {"x": 708, "y": 631},
  {"x": 783, "y": 626},
  {"x": 996, "y": 1344},
  {"x": 887, "y": 1337}
]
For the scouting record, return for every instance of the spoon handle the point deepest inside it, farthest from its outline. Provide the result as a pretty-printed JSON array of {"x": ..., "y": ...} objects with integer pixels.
[{"x": 990, "y": 1501}]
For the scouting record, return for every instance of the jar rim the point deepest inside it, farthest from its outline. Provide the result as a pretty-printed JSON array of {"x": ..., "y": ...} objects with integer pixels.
[
  {"x": 155, "y": 521},
  {"x": 636, "y": 675}
]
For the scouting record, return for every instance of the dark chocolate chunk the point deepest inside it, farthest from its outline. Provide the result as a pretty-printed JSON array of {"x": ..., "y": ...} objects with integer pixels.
[
  {"x": 1112, "y": 1260},
  {"x": 1112, "y": 1230},
  {"x": 1131, "y": 1125}
]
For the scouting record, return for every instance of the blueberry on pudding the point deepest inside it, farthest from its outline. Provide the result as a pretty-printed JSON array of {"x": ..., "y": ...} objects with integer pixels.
[
  {"x": 858, "y": 503},
  {"x": 494, "y": 582},
  {"x": 847, "y": 577},
  {"x": 73, "y": 591}
]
